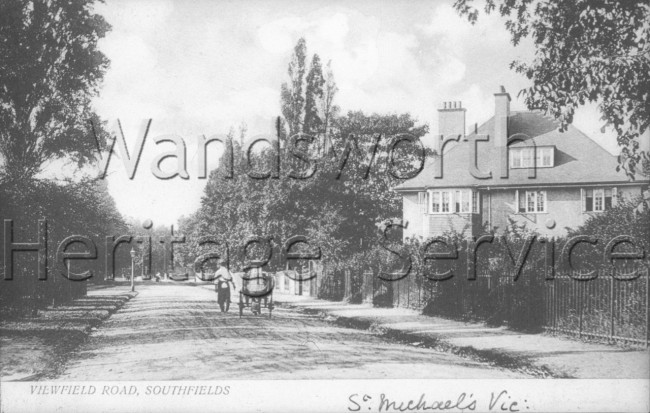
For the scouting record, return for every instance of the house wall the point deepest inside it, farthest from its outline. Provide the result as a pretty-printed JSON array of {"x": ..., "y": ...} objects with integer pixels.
[
  {"x": 439, "y": 223},
  {"x": 411, "y": 213},
  {"x": 564, "y": 209},
  {"x": 430, "y": 225},
  {"x": 288, "y": 282}
]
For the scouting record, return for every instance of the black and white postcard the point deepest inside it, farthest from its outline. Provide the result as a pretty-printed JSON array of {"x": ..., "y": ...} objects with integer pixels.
[{"x": 324, "y": 206}]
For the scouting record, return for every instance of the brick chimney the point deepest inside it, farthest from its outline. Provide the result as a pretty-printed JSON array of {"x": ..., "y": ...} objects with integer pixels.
[
  {"x": 451, "y": 121},
  {"x": 501, "y": 113}
]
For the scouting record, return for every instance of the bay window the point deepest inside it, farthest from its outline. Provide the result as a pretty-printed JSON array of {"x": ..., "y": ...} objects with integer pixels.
[
  {"x": 465, "y": 204},
  {"x": 446, "y": 201},
  {"x": 435, "y": 202},
  {"x": 449, "y": 201}
]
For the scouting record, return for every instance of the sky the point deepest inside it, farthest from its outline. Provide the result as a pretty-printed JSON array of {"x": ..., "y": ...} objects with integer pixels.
[{"x": 204, "y": 67}]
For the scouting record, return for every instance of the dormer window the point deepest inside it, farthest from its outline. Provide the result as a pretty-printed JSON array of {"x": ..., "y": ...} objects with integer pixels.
[{"x": 523, "y": 157}]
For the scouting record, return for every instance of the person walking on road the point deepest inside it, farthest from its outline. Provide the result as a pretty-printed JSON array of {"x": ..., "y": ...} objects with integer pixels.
[{"x": 222, "y": 282}]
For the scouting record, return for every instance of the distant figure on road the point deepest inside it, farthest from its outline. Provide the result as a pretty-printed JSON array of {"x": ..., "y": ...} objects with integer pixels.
[{"x": 222, "y": 282}]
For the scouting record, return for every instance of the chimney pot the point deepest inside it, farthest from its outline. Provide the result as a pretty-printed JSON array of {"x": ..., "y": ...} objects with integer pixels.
[
  {"x": 501, "y": 114},
  {"x": 451, "y": 122}
]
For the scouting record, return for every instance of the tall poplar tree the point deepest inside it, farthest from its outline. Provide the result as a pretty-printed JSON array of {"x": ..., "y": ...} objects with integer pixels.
[
  {"x": 292, "y": 95},
  {"x": 313, "y": 95}
]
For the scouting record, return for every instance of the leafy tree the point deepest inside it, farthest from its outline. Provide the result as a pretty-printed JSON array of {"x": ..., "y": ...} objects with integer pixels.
[
  {"x": 77, "y": 208},
  {"x": 313, "y": 93},
  {"x": 292, "y": 97},
  {"x": 236, "y": 209},
  {"x": 362, "y": 193},
  {"x": 313, "y": 111},
  {"x": 585, "y": 51},
  {"x": 328, "y": 110},
  {"x": 630, "y": 217},
  {"x": 338, "y": 210},
  {"x": 339, "y": 206},
  {"x": 50, "y": 68},
  {"x": 152, "y": 258}
]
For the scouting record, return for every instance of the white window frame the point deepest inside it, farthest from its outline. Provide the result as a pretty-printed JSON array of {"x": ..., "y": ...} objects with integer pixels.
[
  {"x": 517, "y": 156},
  {"x": 549, "y": 150},
  {"x": 446, "y": 203},
  {"x": 536, "y": 201},
  {"x": 435, "y": 197},
  {"x": 541, "y": 199},
  {"x": 465, "y": 202},
  {"x": 476, "y": 202},
  {"x": 598, "y": 193},
  {"x": 468, "y": 199},
  {"x": 423, "y": 201},
  {"x": 599, "y": 197}
]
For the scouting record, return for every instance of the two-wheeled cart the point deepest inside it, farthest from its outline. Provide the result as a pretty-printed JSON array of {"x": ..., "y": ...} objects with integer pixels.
[{"x": 256, "y": 292}]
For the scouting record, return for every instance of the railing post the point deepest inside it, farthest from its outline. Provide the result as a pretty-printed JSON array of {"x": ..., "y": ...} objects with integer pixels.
[
  {"x": 396, "y": 287},
  {"x": 408, "y": 292},
  {"x": 611, "y": 306},
  {"x": 348, "y": 285},
  {"x": 580, "y": 305},
  {"x": 554, "y": 305},
  {"x": 366, "y": 286},
  {"x": 647, "y": 316}
]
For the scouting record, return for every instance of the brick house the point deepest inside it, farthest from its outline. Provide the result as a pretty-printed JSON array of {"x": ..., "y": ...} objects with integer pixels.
[{"x": 574, "y": 177}]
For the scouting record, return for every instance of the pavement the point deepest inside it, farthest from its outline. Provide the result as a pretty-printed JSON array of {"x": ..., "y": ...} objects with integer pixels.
[
  {"x": 542, "y": 355},
  {"x": 35, "y": 348},
  {"x": 175, "y": 331}
]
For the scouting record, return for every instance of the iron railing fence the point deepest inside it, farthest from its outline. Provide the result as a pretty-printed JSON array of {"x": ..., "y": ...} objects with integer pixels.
[
  {"x": 332, "y": 286},
  {"x": 613, "y": 306},
  {"x": 609, "y": 307}
]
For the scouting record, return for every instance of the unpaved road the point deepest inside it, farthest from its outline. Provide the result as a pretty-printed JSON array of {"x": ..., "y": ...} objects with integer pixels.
[{"x": 176, "y": 332}]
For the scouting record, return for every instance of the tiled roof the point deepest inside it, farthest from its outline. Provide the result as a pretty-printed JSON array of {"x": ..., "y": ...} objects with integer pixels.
[{"x": 578, "y": 159}]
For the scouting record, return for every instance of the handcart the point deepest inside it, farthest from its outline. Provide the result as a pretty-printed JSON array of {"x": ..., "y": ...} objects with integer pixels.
[{"x": 256, "y": 292}]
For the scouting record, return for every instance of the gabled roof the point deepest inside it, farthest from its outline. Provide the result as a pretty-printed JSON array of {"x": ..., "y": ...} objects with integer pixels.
[{"x": 578, "y": 159}]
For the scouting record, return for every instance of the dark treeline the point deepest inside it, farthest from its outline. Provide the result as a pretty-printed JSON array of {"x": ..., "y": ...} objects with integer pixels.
[
  {"x": 48, "y": 129},
  {"x": 84, "y": 208}
]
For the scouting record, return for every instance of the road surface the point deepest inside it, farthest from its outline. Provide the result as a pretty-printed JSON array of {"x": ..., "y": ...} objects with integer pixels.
[{"x": 174, "y": 331}]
